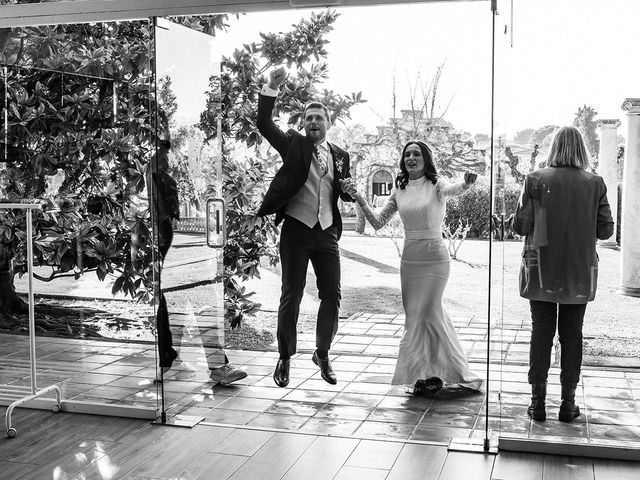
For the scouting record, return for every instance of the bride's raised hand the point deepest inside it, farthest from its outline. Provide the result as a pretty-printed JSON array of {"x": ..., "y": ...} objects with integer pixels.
[{"x": 470, "y": 178}]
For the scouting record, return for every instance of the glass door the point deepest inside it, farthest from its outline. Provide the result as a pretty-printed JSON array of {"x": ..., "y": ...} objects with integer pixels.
[
  {"x": 189, "y": 218},
  {"x": 563, "y": 77},
  {"x": 75, "y": 139}
]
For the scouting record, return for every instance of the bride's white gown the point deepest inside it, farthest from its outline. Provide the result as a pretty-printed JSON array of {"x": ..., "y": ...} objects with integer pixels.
[{"x": 429, "y": 345}]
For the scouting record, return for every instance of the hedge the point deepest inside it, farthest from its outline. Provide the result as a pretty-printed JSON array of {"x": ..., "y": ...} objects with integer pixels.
[{"x": 473, "y": 207}]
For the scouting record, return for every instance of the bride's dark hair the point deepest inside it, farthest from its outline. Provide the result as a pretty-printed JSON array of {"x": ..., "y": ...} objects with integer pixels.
[{"x": 429, "y": 167}]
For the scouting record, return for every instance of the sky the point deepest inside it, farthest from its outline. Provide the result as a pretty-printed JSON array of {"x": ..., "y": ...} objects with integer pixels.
[{"x": 565, "y": 53}]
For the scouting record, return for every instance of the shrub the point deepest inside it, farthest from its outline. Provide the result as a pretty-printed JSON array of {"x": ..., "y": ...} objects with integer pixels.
[{"x": 472, "y": 208}]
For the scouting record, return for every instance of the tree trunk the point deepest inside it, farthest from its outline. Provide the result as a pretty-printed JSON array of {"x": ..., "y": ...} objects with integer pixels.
[
  {"x": 360, "y": 220},
  {"x": 9, "y": 301}
]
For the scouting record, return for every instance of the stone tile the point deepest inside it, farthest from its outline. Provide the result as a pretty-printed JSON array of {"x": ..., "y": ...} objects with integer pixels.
[
  {"x": 605, "y": 392},
  {"x": 600, "y": 403},
  {"x": 396, "y": 415},
  {"x": 380, "y": 368},
  {"x": 248, "y": 404},
  {"x": 448, "y": 419},
  {"x": 467, "y": 407},
  {"x": 231, "y": 417},
  {"x": 613, "y": 432},
  {"x": 342, "y": 376},
  {"x": 357, "y": 339},
  {"x": 434, "y": 433},
  {"x": 342, "y": 366},
  {"x": 269, "y": 382},
  {"x": 299, "y": 395},
  {"x": 367, "y": 360},
  {"x": 351, "y": 348},
  {"x": 553, "y": 427},
  {"x": 95, "y": 378},
  {"x": 373, "y": 388},
  {"x": 614, "y": 418},
  {"x": 605, "y": 382},
  {"x": 321, "y": 385},
  {"x": 272, "y": 420},
  {"x": 344, "y": 412},
  {"x": 274, "y": 392},
  {"x": 381, "y": 350},
  {"x": 356, "y": 399},
  {"x": 331, "y": 426},
  {"x": 284, "y": 407},
  {"x": 384, "y": 429},
  {"x": 374, "y": 378},
  {"x": 409, "y": 402}
]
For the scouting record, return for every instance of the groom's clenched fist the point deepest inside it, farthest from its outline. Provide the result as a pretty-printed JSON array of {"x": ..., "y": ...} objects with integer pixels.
[{"x": 277, "y": 77}]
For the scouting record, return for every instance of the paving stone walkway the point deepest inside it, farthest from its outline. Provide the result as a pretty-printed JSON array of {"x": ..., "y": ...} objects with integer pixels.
[{"x": 363, "y": 404}]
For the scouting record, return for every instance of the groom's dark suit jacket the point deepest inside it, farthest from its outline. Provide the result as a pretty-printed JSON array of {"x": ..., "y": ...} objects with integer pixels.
[{"x": 296, "y": 151}]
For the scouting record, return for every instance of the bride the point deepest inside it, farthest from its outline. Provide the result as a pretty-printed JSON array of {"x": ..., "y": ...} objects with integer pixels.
[{"x": 430, "y": 352}]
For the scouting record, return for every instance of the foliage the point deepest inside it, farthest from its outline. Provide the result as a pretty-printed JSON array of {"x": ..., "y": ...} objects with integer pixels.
[
  {"x": 585, "y": 122},
  {"x": 67, "y": 142},
  {"x": 523, "y": 137},
  {"x": 472, "y": 208},
  {"x": 543, "y": 133},
  {"x": 455, "y": 237},
  {"x": 231, "y": 114},
  {"x": 64, "y": 125},
  {"x": 620, "y": 162},
  {"x": 234, "y": 95},
  {"x": 249, "y": 238}
]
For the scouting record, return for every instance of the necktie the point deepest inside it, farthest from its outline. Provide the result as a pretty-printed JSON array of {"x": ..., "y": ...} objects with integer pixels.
[{"x": 321, "y": 161}]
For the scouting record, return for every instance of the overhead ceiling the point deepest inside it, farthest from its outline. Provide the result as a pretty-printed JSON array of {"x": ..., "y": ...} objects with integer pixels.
[{"x": 78, "y": 11}]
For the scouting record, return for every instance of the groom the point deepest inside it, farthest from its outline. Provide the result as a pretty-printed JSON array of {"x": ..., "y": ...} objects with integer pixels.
[{"x": 304, "y": 193}]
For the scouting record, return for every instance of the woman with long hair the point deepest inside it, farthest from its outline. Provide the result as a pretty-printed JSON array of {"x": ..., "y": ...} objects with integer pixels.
[
  {"x": 562, "y": 211},
  {"x": 430, "y": 352}
]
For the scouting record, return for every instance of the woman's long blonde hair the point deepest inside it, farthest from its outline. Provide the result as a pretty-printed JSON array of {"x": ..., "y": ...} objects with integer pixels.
[{"x": 568, "y": 150}]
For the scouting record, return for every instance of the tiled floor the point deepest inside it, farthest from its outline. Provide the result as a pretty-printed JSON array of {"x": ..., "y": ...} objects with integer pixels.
[
  {"x": 362, "y": 405},
  {"x": 79, "y": 447}
]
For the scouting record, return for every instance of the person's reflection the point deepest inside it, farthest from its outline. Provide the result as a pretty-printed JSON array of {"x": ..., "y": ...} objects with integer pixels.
[{"x": 165, "y": 206}]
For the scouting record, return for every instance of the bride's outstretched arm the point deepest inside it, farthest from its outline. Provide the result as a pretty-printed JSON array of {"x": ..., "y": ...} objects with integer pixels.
[
  {"x": 447, "y": 190},
  {"x": 377, "y": 220}
]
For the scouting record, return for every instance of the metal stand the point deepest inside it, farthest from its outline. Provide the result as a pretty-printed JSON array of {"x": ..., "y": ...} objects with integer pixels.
[{"x": 34, "y": 392}]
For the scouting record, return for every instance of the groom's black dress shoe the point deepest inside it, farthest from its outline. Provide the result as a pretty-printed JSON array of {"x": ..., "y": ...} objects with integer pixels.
[
  {"x": 325, "y": 369},
  {"x": 281, "y": 373}
]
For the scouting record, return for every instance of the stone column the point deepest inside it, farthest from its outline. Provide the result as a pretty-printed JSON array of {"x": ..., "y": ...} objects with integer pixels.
[
  {"x": 607, "y": 168},
  {"x": 630, "y": 222}
]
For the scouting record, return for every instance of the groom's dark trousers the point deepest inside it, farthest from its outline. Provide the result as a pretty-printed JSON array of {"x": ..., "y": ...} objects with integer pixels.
[{"x": 300, "y": 245}]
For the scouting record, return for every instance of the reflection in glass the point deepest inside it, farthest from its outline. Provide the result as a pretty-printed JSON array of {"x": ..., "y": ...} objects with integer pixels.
[{"x": 75, "y": 134}]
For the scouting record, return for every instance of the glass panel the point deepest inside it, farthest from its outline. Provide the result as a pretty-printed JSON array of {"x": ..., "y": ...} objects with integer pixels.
[
  {"x": 190, "y": 217},
  {"x": 411, "y": 93},
  {"x": 564, "y": 77},
  {"x": 75, "y": 138}
]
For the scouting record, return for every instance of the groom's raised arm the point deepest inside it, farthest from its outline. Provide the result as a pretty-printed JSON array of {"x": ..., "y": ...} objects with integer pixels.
[{"x": 266, "y": 101}]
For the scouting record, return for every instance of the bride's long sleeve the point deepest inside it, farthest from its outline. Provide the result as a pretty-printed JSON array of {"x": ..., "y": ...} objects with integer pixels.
[
  {"x": 378, "y": 220},
  {"x": 447, "y": 190}
]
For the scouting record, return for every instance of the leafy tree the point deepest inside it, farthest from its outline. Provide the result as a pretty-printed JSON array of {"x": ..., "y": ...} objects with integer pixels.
[
  {"x": 454, "y": 150},
  {"x": 540, "y": 134},
  {"x": 524, "y": 137},
  {"x": 60, "y": 83},
  {"x": 231, "y": 114},
  {"x": 585, "y": 122},
  {"x": 78, "y": 118},
  {"x": 481, "y": 138}
]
